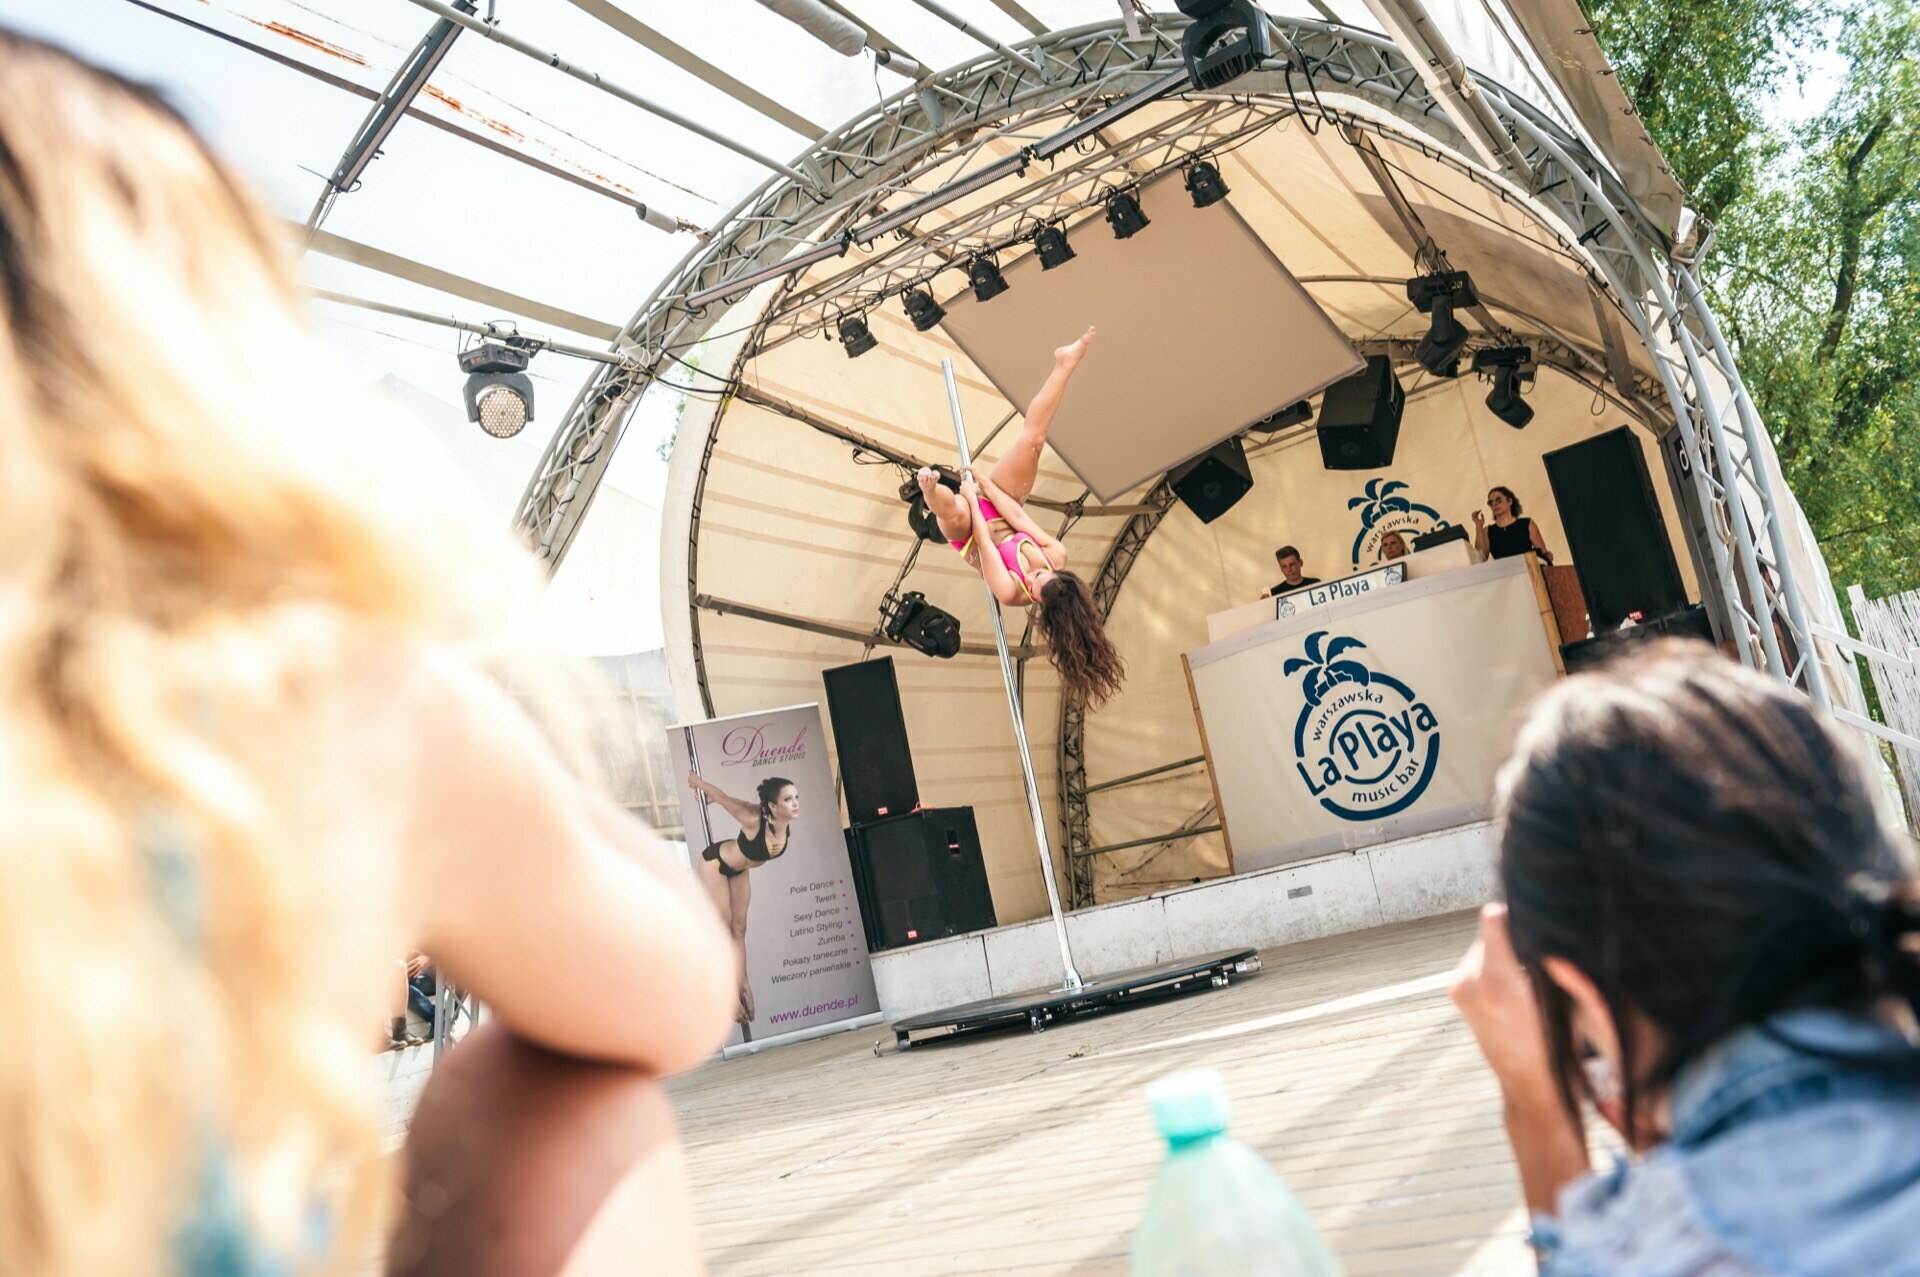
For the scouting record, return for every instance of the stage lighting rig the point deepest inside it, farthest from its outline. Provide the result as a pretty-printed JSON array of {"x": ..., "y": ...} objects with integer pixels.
[
  {"x": 1212, "y": 58},
  {"x": 1440, "y": 295},
  {"x": 1509, "y": 368},
  {"x": 1050, "y": 245},
  {"x": 922, "y": 309},
  {"x": 856, "y": 336},
  {"x": 910, "y": 619},
  {"x": 984, "y": 274},
  {"x": 1289, "y": 416},
  {"x": 1124, "y": 215},
  {"x": 498, "y": 392},
  {"x": 1204, "y": 184}
]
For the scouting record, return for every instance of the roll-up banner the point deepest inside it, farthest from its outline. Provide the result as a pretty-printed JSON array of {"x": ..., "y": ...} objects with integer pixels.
[{"x": 763, "y": 836}]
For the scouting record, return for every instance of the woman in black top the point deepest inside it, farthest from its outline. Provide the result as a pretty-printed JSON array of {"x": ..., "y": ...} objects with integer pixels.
[{"x": 1510, "y": 533}]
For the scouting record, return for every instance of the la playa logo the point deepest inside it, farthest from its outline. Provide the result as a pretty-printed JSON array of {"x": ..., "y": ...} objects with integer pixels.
[
  {"x": 1365, "y": 745},
  {"x": 1383, "y": 509}
]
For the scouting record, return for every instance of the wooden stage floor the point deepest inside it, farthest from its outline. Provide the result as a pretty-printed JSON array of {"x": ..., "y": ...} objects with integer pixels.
[{"x": 1032, "y": 1153}]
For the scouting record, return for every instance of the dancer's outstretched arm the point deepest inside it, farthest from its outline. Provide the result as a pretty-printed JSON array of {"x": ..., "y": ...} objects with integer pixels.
[
  {"x": 1020, "y": 521},
  {"x": 743, "y": 812}
]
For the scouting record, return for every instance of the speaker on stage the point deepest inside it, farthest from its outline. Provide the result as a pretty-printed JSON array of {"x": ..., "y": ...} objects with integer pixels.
[
  {"x": 1360, "y": 418},
  {"x": 870, "y": 738},
  {"x": 920, "y": 877},
  {"x": 1686, "y": 623},
  {"x": 1615, "y": 531},
  {"x": 1212, "y": 482}
]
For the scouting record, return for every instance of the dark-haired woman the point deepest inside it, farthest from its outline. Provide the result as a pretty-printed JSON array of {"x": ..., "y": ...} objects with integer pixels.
[
  {"x": 765, "y": 827},
  {"x": 1511, "y": 534},
  {"x": 1025, "y": 566},
  {"x": 1709, "y": 937}
]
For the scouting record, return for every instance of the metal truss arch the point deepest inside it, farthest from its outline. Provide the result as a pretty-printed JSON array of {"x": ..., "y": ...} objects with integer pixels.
[{"x": 1351, "y": 78}]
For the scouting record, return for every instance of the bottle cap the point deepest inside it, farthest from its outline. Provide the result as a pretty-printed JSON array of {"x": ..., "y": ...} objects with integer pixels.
[{"x": 1188, "y": 1106}]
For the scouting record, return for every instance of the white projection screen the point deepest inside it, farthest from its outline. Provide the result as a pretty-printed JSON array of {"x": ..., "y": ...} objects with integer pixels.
[{"x": 1202, "y": 332}]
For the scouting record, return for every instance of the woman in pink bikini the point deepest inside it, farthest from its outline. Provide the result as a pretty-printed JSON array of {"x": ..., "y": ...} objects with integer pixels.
[{"x": 1029, "y": 566}]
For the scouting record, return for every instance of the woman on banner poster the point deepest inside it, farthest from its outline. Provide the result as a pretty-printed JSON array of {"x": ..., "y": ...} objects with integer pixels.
[{"x": 723, "y": 867}]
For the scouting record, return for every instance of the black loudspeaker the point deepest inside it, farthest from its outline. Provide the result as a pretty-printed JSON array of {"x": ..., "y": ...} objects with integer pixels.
[
  {"x": 1687, "y": 623},
  {"x": 1212, "y": 482},
  {"x": 920, "y": 877},
  {"x": 870, "y": 737},
  {"x": 1614, "y": 528},
  {"x": 1360, "y": 418}
]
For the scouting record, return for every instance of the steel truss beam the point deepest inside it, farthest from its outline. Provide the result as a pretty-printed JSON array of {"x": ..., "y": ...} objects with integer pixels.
[{"x": 945, "y": 127}]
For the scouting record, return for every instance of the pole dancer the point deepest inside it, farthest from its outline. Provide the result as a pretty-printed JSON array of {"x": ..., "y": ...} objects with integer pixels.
[{"x": 1073, "y": 982}]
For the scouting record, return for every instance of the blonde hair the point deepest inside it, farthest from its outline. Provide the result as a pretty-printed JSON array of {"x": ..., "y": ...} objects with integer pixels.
[{"x": 195, "y": 898}]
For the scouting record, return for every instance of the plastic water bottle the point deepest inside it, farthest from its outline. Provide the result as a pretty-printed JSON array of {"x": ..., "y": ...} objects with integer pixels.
[{"x": 1217, "y": 1209}]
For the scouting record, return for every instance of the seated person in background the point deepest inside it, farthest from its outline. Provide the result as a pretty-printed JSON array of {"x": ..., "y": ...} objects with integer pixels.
[
  {"x": 1392, "y": 546},
  {"x": 1291, "y": 570},
  {"x": 1510, "y": 534},
  {"x": 1721, "y": 958}
]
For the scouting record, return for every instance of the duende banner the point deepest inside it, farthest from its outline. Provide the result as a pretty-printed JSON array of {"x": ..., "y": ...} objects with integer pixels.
[{"x": 763, "y": 835}]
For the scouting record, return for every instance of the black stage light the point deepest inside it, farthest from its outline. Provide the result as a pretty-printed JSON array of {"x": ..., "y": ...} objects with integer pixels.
[
  {"x": 1050, "y": 243},
  {"x": 1211, "y": 60},
  {"x": 1204, "y": 184},
  {"x": 922, "y": 309},
  {"x": 1510, "y": 368},
  {"x": 984, "y": 274},
  {"x": 856, "y": 336},
  {"x": 910, "y": 619},
  {"x": 498, "y": 392},
  {"x": 1290, "y": 416},
  {"x": 1440, "y": 295},
  {"x": 1124, "y": 215}
]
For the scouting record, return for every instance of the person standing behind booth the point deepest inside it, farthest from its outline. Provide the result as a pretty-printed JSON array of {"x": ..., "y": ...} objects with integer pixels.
[
  {"x": 1292, "y": 571},
  {"x": 1510, "y": 534},
  {"x": 1392, "y": 546}
]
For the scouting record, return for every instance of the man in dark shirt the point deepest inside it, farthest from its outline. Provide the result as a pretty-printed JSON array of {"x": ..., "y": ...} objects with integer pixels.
[{"x": 1291, "y": 573}]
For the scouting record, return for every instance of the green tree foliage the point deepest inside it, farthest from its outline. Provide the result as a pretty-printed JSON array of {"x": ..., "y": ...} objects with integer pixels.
[
  {"x": 1699, "y": 74},
  {"x": 1815, "y": 269}
]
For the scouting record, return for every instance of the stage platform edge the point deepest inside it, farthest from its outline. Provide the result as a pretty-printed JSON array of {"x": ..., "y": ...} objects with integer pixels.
[{"x": 1040, "y": 1007}]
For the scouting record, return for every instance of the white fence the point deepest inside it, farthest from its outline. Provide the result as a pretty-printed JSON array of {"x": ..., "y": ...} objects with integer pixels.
[{"x": 1890, "y": 640}]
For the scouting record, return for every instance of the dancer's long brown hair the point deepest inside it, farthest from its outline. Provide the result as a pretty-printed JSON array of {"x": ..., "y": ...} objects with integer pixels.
[{"x": 1088, "y": 662}]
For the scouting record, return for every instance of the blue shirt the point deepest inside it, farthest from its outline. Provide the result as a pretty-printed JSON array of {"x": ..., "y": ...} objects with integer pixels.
[{"x": 1781, "y": 1163}]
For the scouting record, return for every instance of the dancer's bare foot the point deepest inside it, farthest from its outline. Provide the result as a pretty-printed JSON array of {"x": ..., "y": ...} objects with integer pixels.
[
  {"x": 929, "y": 479},
  {"x": 1068, "y": 356},
  {"x": 746, "y": 1002}
]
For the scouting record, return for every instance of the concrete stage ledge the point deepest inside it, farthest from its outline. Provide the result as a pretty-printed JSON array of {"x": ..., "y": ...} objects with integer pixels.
[{"x": 1419, "y": 877}]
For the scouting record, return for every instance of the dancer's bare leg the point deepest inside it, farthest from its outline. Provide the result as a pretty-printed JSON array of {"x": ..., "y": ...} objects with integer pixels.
[
  {"x": 741, "y": 892},
  {"x": 522, "y": 1162},
  {"x": 719, "y": 889},
  {"x": 956, "y": 521},
  {"x": 1015, "y": 472}
]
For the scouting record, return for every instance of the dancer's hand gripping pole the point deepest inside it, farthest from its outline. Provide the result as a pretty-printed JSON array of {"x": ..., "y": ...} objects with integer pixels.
[{"x": 1073, "y": 982}]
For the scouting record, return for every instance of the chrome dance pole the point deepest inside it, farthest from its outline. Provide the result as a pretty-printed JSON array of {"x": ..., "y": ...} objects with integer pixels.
[{"x": 1074, "y": 983}]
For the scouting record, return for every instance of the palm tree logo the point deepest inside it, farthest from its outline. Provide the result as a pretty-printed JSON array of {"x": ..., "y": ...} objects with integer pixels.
[
  {"x": 1379, "y": 501},
  {"x": 1323, "y": 668}
]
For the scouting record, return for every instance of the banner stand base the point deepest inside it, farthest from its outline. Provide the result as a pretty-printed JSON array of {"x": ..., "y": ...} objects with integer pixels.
[
  {"x": 802, "y": 1035},
  {"x": 1040, "y": 1007}
]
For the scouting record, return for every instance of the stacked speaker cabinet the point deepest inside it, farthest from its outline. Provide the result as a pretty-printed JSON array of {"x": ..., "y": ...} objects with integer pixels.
[
  {"x": 870, "y": 738},
  {"x": 920, "y": 877},
  {"x": 918, "y": 873}
]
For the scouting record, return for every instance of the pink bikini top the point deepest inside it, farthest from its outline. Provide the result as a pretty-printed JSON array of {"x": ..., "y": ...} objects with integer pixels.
[{"x": 1009, "y": 549}]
